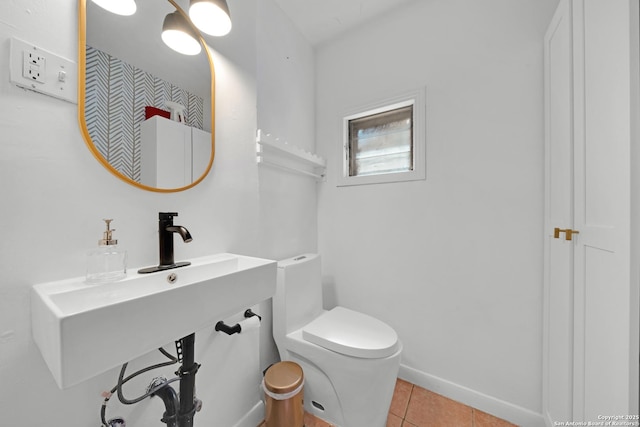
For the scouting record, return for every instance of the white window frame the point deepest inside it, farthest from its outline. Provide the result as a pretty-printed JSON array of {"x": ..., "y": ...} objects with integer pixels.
[{"x": 415, "y": 98}]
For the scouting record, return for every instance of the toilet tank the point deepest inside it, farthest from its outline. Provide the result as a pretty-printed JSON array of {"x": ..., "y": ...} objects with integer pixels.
[{"x": 298, "y": 297}]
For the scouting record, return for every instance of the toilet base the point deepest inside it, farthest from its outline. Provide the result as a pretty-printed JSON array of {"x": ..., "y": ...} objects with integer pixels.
[
  {"x": 343, "y": 390},
  {"x": 321, "y": 399}
]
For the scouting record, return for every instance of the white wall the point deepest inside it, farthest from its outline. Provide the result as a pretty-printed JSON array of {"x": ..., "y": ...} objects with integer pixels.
[
  {"x": 286, "y": 105},
  {"x": 454, "y": 262},
  {"x": 54, "y": 195}
]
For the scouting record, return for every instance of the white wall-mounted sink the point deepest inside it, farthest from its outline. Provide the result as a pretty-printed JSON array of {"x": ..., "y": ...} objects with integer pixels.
[{"x": 83, "y": 330}]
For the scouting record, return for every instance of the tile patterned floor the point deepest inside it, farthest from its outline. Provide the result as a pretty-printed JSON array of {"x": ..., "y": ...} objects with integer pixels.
[{"x": 414, "y": 406}]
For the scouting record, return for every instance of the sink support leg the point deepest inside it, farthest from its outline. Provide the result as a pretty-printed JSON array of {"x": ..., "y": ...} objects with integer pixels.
[{"x": 187, "y": 373}]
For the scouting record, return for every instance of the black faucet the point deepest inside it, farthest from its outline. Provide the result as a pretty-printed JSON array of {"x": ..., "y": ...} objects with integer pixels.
[{"x": 165, "y": 235}]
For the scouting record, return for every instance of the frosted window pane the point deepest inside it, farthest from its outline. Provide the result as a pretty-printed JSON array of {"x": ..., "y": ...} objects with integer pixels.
[{"x": 381, "y": 143}]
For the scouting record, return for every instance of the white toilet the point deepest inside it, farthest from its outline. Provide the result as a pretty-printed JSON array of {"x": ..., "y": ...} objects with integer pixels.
[{"x": 350, "y": 360}]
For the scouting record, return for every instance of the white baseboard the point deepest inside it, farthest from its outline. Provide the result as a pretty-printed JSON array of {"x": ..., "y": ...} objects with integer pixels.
[
  {"x": 491, "y": 405},
  {"x": 254, "y": 417}
]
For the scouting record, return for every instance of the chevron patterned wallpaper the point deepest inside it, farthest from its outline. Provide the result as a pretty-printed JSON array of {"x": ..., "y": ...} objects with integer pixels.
[{"x": 116, "y": 96}]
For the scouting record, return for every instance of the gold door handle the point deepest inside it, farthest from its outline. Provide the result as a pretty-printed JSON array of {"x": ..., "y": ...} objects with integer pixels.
[{"x": 568, "y": 233}]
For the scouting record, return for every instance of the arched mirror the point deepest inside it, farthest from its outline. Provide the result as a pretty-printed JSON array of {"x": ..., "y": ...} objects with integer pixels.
[{"x": 146, "y": 112}]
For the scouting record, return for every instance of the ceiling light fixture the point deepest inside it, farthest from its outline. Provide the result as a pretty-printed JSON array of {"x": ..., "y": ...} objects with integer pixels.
[
  {"x": 178, "y": 34},
  {"x": 119, "y": 7},
  {"x": 210, "y": 16}
]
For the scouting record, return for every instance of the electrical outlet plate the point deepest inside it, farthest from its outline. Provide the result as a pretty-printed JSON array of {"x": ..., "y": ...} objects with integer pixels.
[
  {"x": 42, "y": 71},
  {"x": 34, "y": 67}
]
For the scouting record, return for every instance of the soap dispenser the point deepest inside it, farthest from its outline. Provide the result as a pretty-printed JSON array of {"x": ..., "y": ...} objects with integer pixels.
[{"x": 107, "y": 262}]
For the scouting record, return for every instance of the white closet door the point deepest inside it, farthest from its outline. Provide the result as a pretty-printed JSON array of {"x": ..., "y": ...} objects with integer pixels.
[
  {"x": 587, "y": 352},
  {"x": 558, "y": 283},
  {"x": 602, "y": 162}
]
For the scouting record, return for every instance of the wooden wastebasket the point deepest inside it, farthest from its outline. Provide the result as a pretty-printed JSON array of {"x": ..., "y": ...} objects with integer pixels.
[{"x": 283, "y": 388}]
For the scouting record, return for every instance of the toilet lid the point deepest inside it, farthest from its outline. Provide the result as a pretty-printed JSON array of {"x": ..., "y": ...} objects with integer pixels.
[{"x": 351, "y": 333}]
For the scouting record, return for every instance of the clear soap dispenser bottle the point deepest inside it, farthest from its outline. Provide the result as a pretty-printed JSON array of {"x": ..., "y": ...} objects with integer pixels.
[{"x": 107, "y": 262}]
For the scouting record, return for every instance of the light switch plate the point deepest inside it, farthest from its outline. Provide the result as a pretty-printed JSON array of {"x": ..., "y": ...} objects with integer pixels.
[{"x": 40, "y": 70}]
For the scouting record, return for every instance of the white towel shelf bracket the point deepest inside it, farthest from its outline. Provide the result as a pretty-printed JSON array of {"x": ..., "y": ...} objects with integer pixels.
[{"x": 275, "y": 153}]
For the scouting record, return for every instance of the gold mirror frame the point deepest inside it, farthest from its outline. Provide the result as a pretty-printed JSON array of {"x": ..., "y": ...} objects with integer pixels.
[{"x": 82, "y": 63}]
